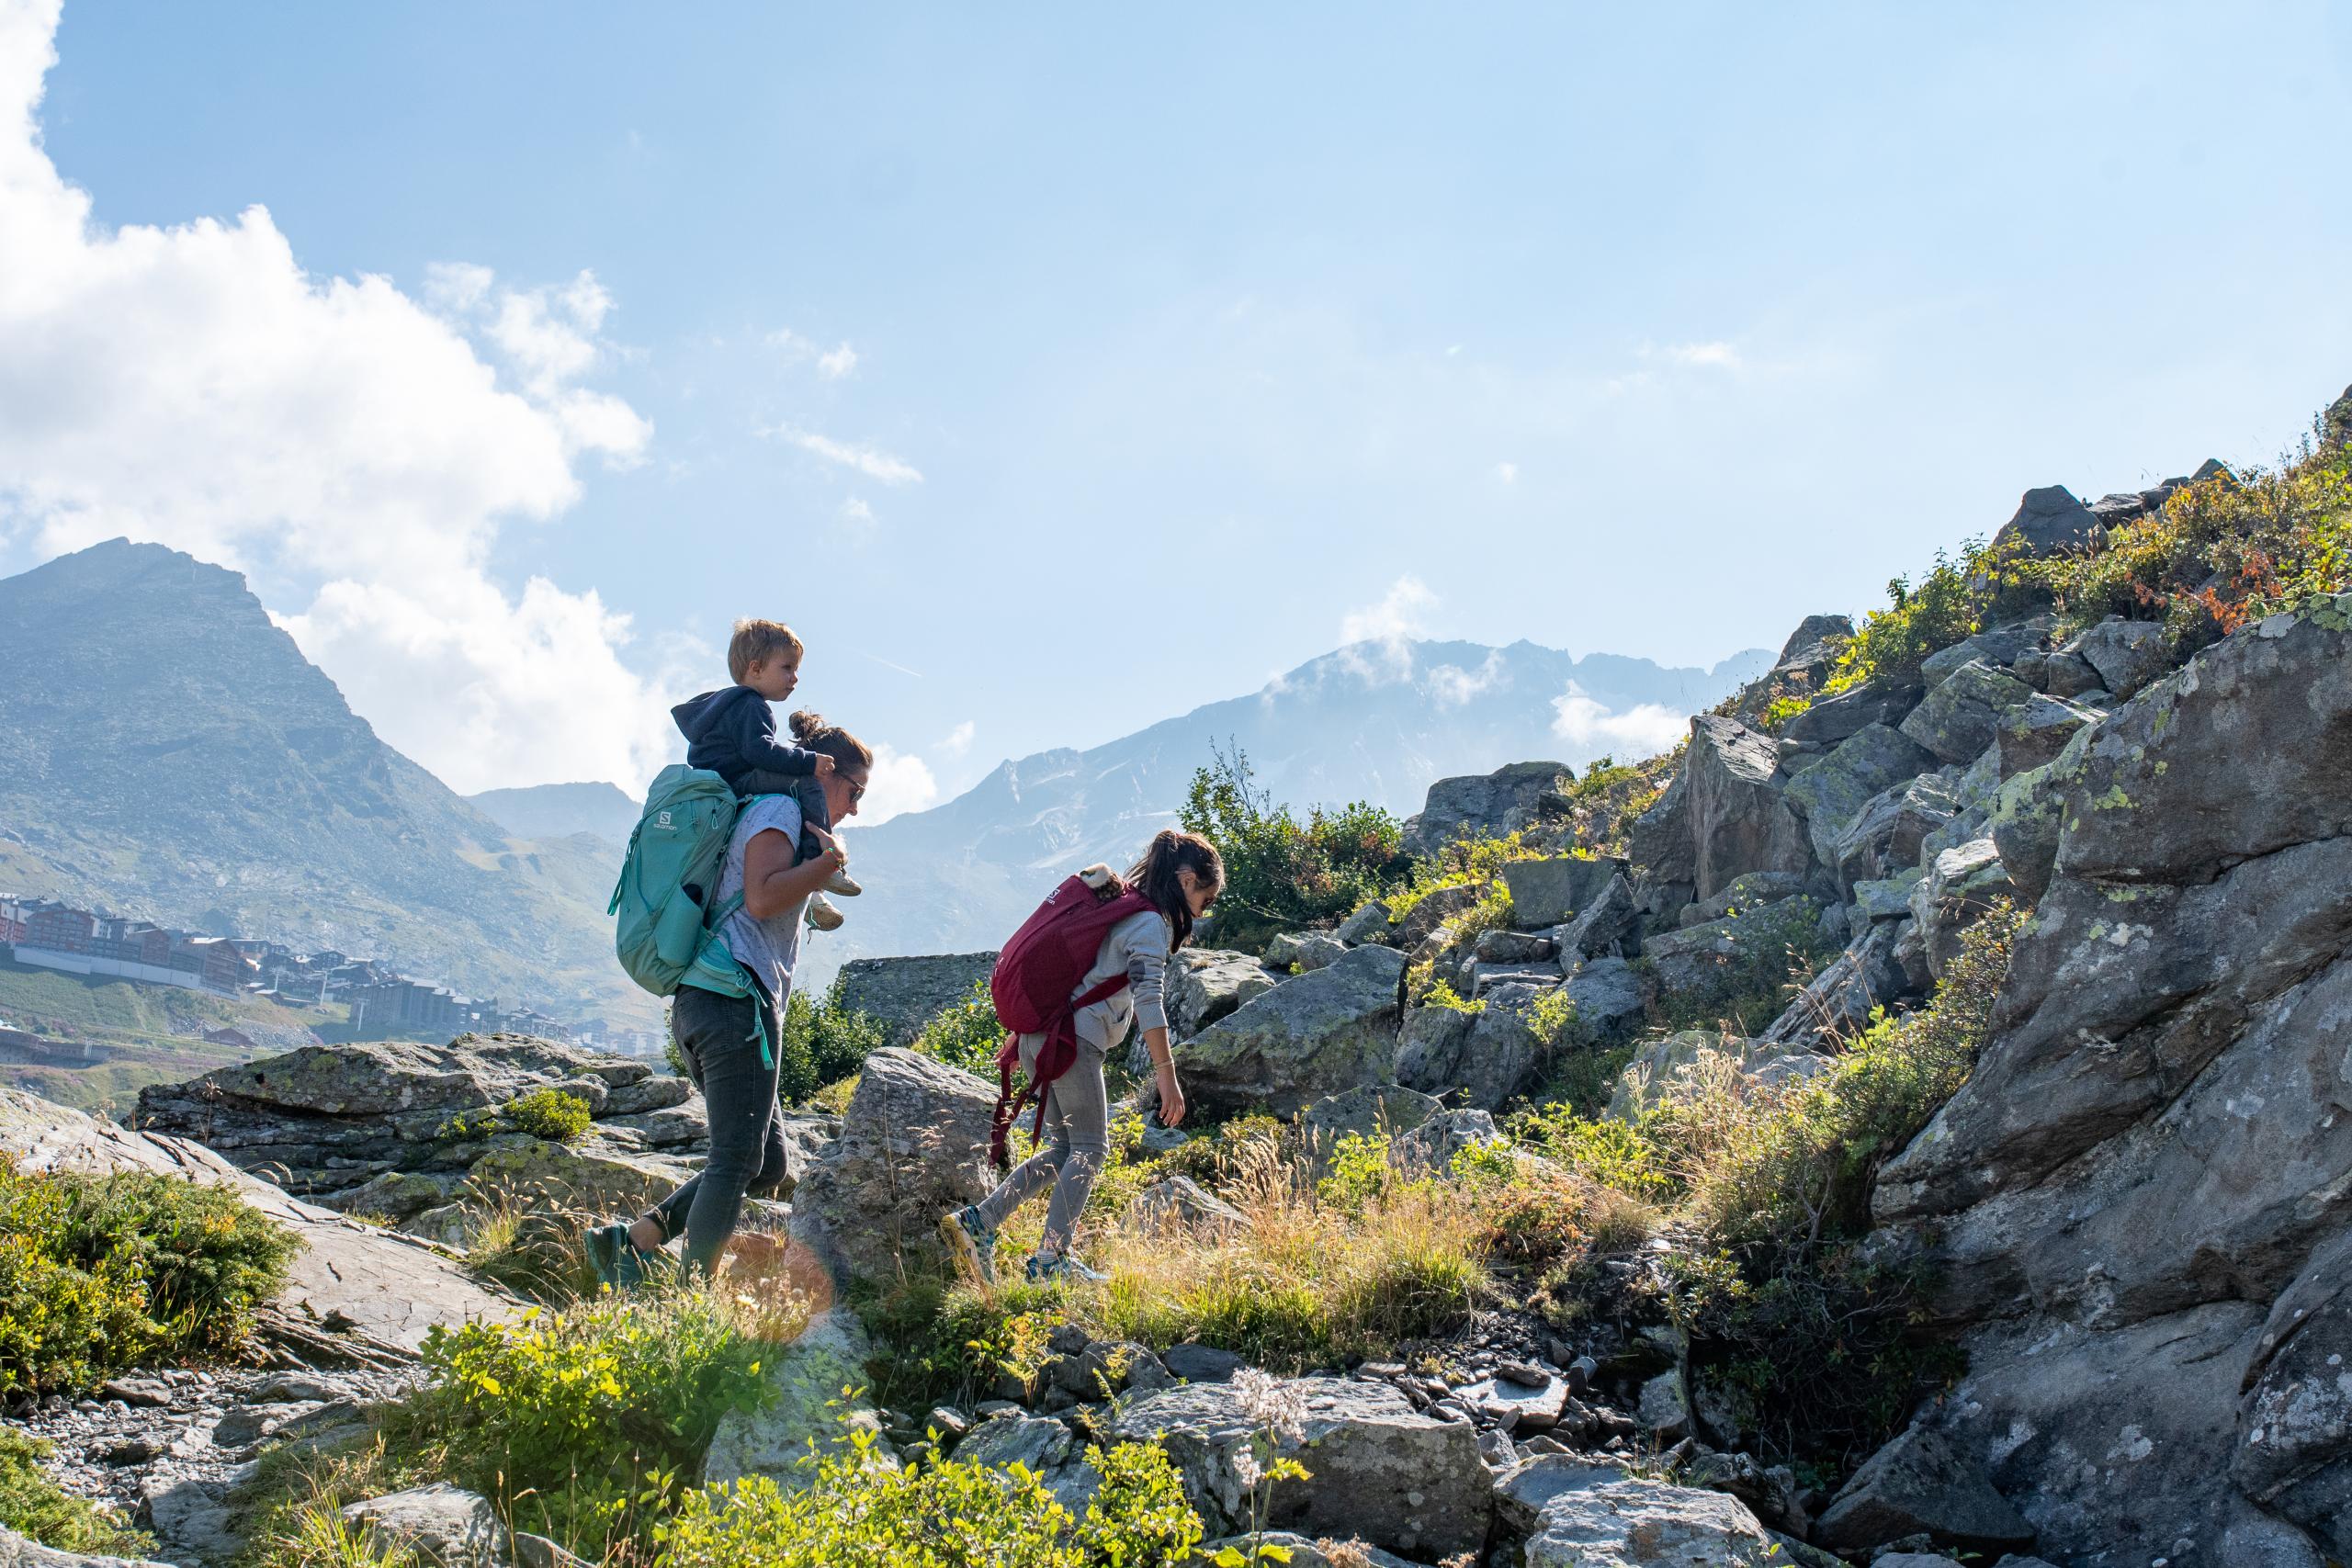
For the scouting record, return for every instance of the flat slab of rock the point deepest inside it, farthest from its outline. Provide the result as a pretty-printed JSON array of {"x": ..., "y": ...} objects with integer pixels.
[
  {"x": 1383, "y": 1471},
  {"x": 1625, "y": 1523},
  {"x": 905, "y": 994},
  {"x": 1921, "y": 1484},
  {"x": 17, "y": 1551},
  {"x": 446, "y": 1524}
]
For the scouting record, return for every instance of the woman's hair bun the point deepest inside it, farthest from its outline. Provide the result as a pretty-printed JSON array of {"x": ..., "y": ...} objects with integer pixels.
[{"x": 808, "y": 723}]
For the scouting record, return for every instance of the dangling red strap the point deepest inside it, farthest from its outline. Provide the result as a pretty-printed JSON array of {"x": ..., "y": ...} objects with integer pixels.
[{"x": 1055, "y": 1055}]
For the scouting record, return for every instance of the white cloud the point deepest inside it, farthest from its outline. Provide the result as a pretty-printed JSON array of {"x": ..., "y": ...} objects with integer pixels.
[
  {"x": 1376, "y": 641},
  {"x": 1507, "y": 473},
  {"x": 1451, "y": 686},
  {"x": 1720, "y": 355},
  {"x": 1643, "y": 730},
  {"x": 899, "y": 781},
  {"x": 194, "y": 386},
  {"x": 871, "y": 461},
  {"x": 856, "y": 511},
  {"x": 958, "y": 741},
  {"x": 833, "y": 363}
]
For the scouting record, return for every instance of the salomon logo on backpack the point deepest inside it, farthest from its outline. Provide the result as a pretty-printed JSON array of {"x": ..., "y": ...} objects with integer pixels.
[{"x": 664, "y": 894}]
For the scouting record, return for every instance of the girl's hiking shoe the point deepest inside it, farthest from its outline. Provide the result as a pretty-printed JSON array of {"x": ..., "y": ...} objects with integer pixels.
[
  {"x": 1043, "y": 1269},
  {"x": 822, "y": 914},
  {"x": 614, "y": 1257},
  {"x": 970, "y": 1243}
]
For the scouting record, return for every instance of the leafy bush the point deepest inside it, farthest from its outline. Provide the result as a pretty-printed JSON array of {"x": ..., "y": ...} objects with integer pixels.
[
  {"x": 105, "y": 1271},
  {"x": 579, "y": 1422},
  {"x": 1603, "y": 804},
  {"x": 1944, "y": 608},
  {"x": 1281, "y": 874},
  {"x": 1460, "y": 863},
  {"x": 967, "y": 1035},
  {"x": 2219, "y": 553},
  {"x": 33, "y": 1506},
  {"x": 547, "y": 1113},
  {"x": 821, "y": 1042},
  {"x": 854, "y": 1514}
]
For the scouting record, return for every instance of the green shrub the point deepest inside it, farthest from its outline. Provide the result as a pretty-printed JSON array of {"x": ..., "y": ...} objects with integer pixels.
[
  {"x": 579, "y": 1422},
  {"x": 547, "y": 1113},
  {"x": 33, "y": 1506},
  {"x": 1603, "y": 805},
  {"x": 2218, "y": 554},
  {"x": 965, "y": 1035},
  {"x": 1281, "y": 874},
  {"x": 1944, "y": 608},
  {"x": 1356, "y": 1170},
  {"x": 821, "y": 1042},
  {"x": 104, "y": 1271},
  {"x": 852, "y": 1513}
]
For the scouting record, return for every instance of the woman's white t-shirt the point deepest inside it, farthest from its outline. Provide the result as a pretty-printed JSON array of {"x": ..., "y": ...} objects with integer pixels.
[{"x": 768, "y": 948}]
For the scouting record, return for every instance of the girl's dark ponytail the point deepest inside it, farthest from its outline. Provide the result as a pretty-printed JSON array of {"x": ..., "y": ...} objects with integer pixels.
[{"x": 1154, "y": 876}]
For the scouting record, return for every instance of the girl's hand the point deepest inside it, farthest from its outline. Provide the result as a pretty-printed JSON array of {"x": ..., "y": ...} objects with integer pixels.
[
  {"x": 1172, "y": 1098},
  {"x": 824, "y": 766}
]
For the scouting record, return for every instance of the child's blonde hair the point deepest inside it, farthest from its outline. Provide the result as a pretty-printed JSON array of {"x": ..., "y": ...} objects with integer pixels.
[{"x": 754, "y": 640}]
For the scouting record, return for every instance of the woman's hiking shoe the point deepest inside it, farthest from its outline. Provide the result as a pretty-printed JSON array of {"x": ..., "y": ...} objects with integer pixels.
[
  {"x": 822, "y": 914},
  {"x": 1045, "y": 1270},
  {"x": 971, "y": 1244},
  {"x": 615, "y": 1257},
  {"x": 841, "y": 884}
]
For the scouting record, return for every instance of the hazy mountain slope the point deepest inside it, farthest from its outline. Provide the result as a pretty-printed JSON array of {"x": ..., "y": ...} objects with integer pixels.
[
  {"x": 166, "y": 751},
  {"x": 559, "y": 810},
  {"x": 1374, "y": 722}
]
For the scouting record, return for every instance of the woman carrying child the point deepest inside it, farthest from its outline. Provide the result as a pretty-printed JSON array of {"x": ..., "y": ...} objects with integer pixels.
[
  {"x": 1180, "y": 874},
  {"x": 728, "y": 1042}
]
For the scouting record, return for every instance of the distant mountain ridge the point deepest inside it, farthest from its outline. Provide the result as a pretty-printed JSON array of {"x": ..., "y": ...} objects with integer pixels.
[
  {"x": 1377, "y": 722},
  {"x": 166, "y": 751},
  {"x": 559, "y": 810}
]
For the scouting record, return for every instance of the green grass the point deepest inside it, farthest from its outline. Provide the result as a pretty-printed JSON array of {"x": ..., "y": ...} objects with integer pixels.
[
  {"x": 33, "y": 1506},
  {"x": 98, "y": 1008}
]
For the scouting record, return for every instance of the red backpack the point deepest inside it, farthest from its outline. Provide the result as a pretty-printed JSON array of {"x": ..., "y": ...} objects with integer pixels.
[{"x": 1033, "y": 988}]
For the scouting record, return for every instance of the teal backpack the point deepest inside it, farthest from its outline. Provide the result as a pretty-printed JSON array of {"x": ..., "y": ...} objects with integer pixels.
[{"x": 667, "y": 933}]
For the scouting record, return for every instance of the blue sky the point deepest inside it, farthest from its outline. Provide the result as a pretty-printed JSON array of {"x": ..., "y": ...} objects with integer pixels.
[{"x": 969, "y": 339}]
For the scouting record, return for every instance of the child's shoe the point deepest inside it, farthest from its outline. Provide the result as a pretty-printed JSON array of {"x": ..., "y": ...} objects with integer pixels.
[
  {"x": 1047, "y": 1268},
  {"x": 970, "y": 1243},
  {"x": 842, "y": 885},
  {"x": 822, "y": 914}
]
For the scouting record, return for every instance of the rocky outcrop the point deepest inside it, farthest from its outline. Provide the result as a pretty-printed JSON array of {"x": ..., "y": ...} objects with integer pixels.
[
  {"x": 1206, "y": 984},
  {"x": 2048, "y": 521},
  {"x": 904, "y": 994},
  {"x": 2134, "y": 1206},
  {"x": 1612, "y": 1518},
  {"x": 1556, "y": 889},
  {"x": 1380, "y": 1470},
  {"x": 1738, "y": 821},
  {"x": 1313, "y": 1035},
  {"x": 1481, "y": 1058},
  {"x": 913, "y": 1145},
  {"x": 1482, "y": 804},
  {"x": 400, "y": 1130}
]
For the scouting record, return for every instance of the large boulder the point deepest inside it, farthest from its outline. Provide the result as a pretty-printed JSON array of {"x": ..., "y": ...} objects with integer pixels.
[
  {"x": 1961, "y": 714},
  {"x": 1204, "y": 984},
  {"x": 1379, "y": 1469},
  {"x": 1365, "y": 1111},
  {"x": 2049, "y": 522},
  {"x": 1607, "y": 994},
  {"x": 1832, "y": 718},
  {"x": 2035, "y": 731},
  {"x": 1832, "y": 792},
  {"x": 804, "y": 1411},
  {"x": 1660, "y": 840},
  {"x": 21, "y": 1551},
  {"x": 1610, "y": 923},
  {"x": 1551, "y": 891},
  {"x": 1884, "y": 837},
  {"x": 1479, "y": 1058},
  {"x": 444, "y": 1525},
  {"x": 904, "y": 994},
  {"x": 1482, "y": 804},
  {"x": 2127, "y": 654},
  {"x": 1614, "y": 1520},
  {"x": 2294, "y": 1436},
  {"x": 1958, "y": 888},
  {"x": 913, "y": 1145},
  {"x": 1920, "y": 1485},
  {"x": 2142, "y": 1180},
  {"x": 1315, "y": 1035},
  {"x": 1739, "y": 822}
]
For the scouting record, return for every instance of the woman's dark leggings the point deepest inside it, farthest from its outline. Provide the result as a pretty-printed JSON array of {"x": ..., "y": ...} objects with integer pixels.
[{"x": 715, "y": 1035}]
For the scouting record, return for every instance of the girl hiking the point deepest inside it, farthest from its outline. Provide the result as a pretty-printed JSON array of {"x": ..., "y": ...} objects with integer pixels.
[
  {"x": 728, "y": 1042},
  {"x": 1177, "y": 880}
]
